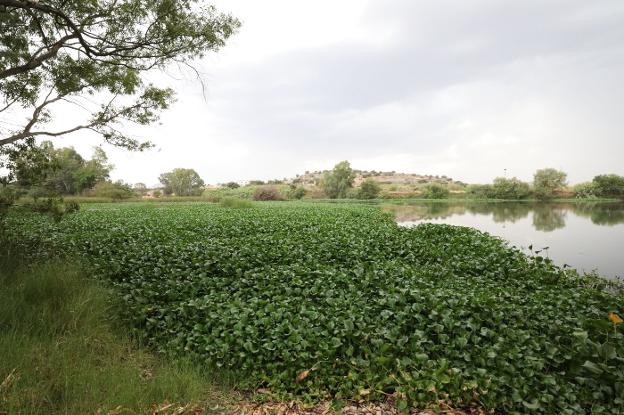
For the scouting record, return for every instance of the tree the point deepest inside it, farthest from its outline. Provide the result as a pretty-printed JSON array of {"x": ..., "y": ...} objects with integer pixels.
[
  {"x": 513, "y": 188},
  {"x": 338, "y": 181},
  {"x": 608, "y": 185},
  {"x": 43, "y": 169},
  {"x": 546, "y": 182},
  {"x": 436, "y": 191},
  {"x": 369, "y": 189},
  {"x": 59, "y": 51},
  {"x": 232, "y": 185},
  {"x": 116, "y": 191},
  {"x": 182, "y": 182}
]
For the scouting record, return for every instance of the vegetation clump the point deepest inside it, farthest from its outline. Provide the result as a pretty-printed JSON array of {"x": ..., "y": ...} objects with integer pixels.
[
  {"x": 436, "y": 191},
  {"x": 337, "y": 301},
  {"x": 265, "y": 193},
  {"x": 369, "y": 189}
]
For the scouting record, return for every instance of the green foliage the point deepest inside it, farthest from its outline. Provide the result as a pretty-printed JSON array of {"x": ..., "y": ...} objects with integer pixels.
[
  {"x": 182, "y": 182},
  {"x": 62, "y": 50},
  {"x": 433, "y": 313},
  {"x": 42, "y": 169},
  {"x": 547, "y": 182},
  {"x": 63, "y": 350},
  {"x": 369, "y": 189},
  {"x": 232, "y": 185},
  {"x": 513, "y": 188},
  {"x": 435, "y": 191},
  {"x": 234, "y": 202},
  {"x": 480, "y": 191},
  {"x": 296, "y": 192},
  {"x": 584, "y": 190},
  {"x": 264, "y": 193},
  {"x": 609, "y": 185},
  {"x": 116, "y": 191},
  {"x": 338, "y": 181}
]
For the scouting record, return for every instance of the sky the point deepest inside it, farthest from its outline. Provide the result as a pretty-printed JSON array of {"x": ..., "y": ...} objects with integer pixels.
[{"x": 468, "y": 89}]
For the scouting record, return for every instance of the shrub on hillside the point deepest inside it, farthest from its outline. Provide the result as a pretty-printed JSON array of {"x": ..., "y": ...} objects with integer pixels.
[
  {"x": 297, "y": 192},
  {"x": 369, "y": 189},
  {"x": 436, "y": 191},
  {"x": 265, "y": 193}
]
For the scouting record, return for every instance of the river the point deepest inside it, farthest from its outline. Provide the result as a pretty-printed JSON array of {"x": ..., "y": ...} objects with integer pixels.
[{"x": 587, "y": 236}]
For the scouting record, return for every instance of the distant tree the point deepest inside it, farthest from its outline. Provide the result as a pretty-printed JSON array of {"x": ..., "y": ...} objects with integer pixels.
[
  {"x": 513, "y": 188},
  {"x": 157, "y": 193},
  {"x": 546, "y": 182},
  {"x": 338, "y": 181},
  {"x": 609, "y": 185},
  {"x": 46, "y": 170},
  {"x": 256, "y": 182},
  {"x": 232, "y": 185},
  {"x": 369, "y": 189},
  {"x": 140, "y": 188},
  {"x": 584, "y": 190},
  {"x": 436, "y": 191},
  {"x": 116, "y": 191},
  {"x": 182, "y": 182}
]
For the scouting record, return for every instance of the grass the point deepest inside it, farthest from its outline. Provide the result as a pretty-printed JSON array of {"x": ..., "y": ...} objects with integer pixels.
[
  {"x": 234, "y": 202},
  {"x": 62, "y": 351}
]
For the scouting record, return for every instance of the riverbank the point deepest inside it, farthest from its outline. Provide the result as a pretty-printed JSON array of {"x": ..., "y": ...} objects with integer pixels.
[{"x": 64, "y": 350}]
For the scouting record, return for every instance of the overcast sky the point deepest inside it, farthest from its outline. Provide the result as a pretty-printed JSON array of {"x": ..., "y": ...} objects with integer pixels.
[{"x": 461, "y": 88}]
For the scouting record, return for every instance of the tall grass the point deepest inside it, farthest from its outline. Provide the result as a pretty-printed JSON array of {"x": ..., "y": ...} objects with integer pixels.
[{"x": 62, "y": 351}]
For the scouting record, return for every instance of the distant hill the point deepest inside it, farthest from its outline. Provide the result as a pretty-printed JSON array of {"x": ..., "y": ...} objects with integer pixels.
[{"x": 382, "y": 177}]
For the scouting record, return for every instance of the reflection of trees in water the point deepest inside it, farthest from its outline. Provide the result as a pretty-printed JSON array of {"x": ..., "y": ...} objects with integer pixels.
[
  {"x": 607, "y": 214},
  {"x": 501, "y": 212},
  {"x": 547, "y": 217},
  {"x": 427, "y": 210}
]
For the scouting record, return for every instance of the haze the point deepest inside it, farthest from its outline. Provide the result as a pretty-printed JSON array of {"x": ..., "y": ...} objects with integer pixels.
[{"x": 465, "y": 89}]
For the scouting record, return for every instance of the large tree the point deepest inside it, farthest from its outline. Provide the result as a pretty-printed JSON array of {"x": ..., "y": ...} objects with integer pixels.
[
  {"x": 547, "y": 182},
  {"x": 92, "y": 54},
  {"x": 182, "y": 182},
  {"x": 46, "y": 170},
  {"x": 338, "y": 181}
]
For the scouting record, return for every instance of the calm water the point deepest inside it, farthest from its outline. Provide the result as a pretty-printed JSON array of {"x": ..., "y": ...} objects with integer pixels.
[{"x": 587, "y": 236}]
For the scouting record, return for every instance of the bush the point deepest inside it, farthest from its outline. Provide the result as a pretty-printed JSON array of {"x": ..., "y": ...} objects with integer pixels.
[
  {"x": 234, "y": 202},
  {"x": 54, "y": 207},
  {"x": 513, "y": 188},
  {"x": 436, "y": 191},
  {"x": 584, "y": 190},
  {"x": 115, "y": 191},
  {"x": 265, "y": 193},
  {"x": 609, "y": 185},
  {"x": 481, "y": 191},
  {"x": 369, "y": 189},
  {"x": 547, "y": 182},
  {"x": 297, "y": 193},
  {"x": 232, "y": 185}
]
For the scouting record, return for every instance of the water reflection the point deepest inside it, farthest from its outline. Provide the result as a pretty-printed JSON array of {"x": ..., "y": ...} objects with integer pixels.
[
  {"x": 546, "y": 217},
  {"x": 589, "y": 236}
]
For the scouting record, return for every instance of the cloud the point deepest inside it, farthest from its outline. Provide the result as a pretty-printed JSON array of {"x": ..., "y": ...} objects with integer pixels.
[{"x": 466, "y": 89}]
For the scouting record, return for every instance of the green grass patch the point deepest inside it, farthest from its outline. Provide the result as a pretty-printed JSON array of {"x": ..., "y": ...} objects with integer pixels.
[
  {"x": 335, "y": 301},
  {"x": 63, "y": 351},
  {"x": 234, "y": 202}
]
